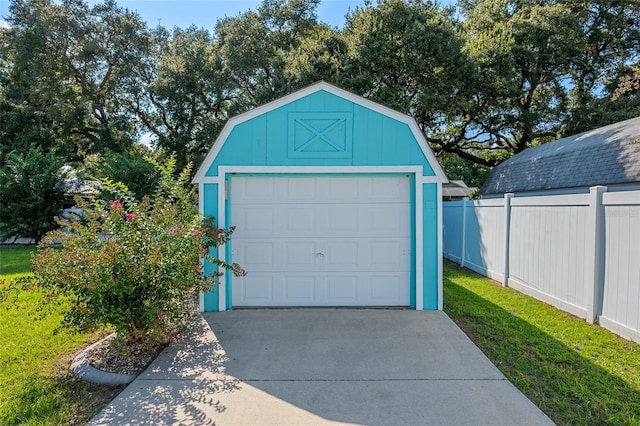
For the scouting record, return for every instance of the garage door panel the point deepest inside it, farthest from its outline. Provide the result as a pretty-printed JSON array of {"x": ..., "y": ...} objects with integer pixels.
[
  {"x": 342, "y": 189},
  {"x": 255, "y": 221},
  {"x": 383, "y": 220},
  {"x": 299, "y": 255},
  {"x": 387, "y": 256},
  {"x": 389, "y": 191},
  {"x": 257, "y": 289},
  {"x": 299, "y": 221},
  {"x": 343, "y": 255},
  {"x": 300, "y": 190},
  {"x": 321, "y": 250},
  {"x": 299, "y": 289},
  {"x": 257, "y": 255},
  {"x": 341, "y": 289},
  {"x": 264, "y": 254},
  {"x": 255, "y": 190},
  {"x": 341, "y": 219},
  {"x": 364, "y": 220},
  {"x": 387, "y": 288}
]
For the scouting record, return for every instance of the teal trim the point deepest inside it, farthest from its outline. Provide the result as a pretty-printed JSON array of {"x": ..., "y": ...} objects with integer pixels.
[
  {"x": 430, "y": 242},
  {"x": 210, "y": 199},
  {"x": 211, "y": 297},
  {"x": 380, "y": 174},
  {"x": 412, "y": 277},
  {"x": 228, "y": 276}
]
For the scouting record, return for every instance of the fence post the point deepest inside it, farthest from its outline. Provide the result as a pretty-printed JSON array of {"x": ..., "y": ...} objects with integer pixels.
[
  {"x": 594, "y": 262},
  {"x": 507, "y": 230},
  {"x": 465, "y": 200}
]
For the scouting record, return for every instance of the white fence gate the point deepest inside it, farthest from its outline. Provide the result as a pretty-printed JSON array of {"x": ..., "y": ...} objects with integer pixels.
[{"x": 578, "y": 252}]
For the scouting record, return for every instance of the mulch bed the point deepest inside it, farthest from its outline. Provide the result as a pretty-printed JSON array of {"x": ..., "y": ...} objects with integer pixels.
[{"x": 108, "y": 356}]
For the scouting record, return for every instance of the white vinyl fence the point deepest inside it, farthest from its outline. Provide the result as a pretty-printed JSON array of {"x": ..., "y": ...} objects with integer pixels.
[{"x": 578, "y": 252}]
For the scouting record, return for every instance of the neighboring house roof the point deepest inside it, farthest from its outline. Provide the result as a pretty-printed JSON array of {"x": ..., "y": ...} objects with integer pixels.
[
  {"x": 609, "y": 155},
  {"x": 456, "y": 189}
]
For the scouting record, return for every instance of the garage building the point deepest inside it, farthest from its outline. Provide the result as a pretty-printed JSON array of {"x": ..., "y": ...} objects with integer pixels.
[{"x": 336, "y": 202}]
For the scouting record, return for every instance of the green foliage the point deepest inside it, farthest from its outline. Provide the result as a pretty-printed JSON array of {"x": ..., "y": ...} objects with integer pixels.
[
  {"x": 131, "y": 168},
  {"x": 134, "y": 265},
  {"x": 577, "y": 373},
  {"x": 185, "y": 101},
  {"x": 457, "y": 168},
  {"x": 628, "y": 84},
  {"x": 601, "y": 112},
  {"x": 321, "y": 55},
  {"x": 256, "y": 45},
  {"x": 538, "y": 82},
  {"x": 491, "y": 75},
  {"x": 522, "y": 60},
  {"x": 69, "y": 66},
  {"x": 408, "y": 56},
  {"x": 33, "y": 190}
]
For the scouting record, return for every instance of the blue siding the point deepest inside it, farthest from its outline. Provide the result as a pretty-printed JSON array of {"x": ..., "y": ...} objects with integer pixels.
[
  {"x": 430, "y": 239},
  {"x": 378, "y": 140},
  {"x": 211, "y": 210}
]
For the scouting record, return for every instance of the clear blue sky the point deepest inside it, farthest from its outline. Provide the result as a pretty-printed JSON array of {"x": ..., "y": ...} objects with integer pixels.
[{"x": 205, "y": 13}]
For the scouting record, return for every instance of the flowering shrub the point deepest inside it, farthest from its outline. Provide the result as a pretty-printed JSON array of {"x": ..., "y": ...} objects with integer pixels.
[{"x": 133, "y": 265}]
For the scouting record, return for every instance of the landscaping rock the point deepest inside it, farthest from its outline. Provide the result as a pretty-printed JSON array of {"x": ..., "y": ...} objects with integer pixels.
[{"x": 104, "y": 363}]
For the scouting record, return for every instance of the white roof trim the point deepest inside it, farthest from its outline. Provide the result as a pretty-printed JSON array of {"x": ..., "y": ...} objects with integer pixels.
[{"x": 263, "y": 109}]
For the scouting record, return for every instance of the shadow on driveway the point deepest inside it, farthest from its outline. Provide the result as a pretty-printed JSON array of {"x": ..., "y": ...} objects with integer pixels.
[{"x": 322, "y": 366}]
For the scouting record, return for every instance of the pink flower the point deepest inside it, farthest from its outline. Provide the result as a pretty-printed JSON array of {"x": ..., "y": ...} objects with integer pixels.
[
  {"x": 130, "y": 216},
  {"x": 173, "y": 229},
  {"x": 160, "y": 315},
  {"x": 145, "y": 199},
  {"x": 200, "y": 233},
  {"x": 116, "y": 205}
]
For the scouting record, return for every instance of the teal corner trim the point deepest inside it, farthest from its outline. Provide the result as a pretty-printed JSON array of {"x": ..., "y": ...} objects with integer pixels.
[
  {"x": 210, "y": 209},
  {"x": 430, "y": 242},
  {"x": 227, "y": 280},
  {"x": 413, "y": 242},
  {"x": 211, "y": 297}
]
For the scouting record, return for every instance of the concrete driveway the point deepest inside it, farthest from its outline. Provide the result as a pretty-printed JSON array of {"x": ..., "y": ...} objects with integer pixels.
[{"x": 322, "y": 366}]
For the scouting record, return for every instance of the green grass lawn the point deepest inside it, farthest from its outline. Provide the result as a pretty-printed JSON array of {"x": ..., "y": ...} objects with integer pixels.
[
  {"x": 35, "y": 384},
  {"x": 15, "y": 260},
  {"x": 577, "y": 373}
]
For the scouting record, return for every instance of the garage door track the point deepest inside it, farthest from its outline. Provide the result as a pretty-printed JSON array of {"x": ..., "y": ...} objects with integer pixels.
[{"x": 322, "y": 366}]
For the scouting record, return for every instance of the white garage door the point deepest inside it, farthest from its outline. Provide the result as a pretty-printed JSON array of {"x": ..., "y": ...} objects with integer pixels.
[{"x": 321, "y": 241}]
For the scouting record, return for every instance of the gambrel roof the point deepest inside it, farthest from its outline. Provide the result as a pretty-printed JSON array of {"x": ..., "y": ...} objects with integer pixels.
[
  {"x": 608, "y": 155},
  {"x": 316, "y": 104}
]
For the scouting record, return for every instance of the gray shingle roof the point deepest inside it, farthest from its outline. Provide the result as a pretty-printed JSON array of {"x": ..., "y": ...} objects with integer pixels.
[{"x": 605, "y": 156}]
